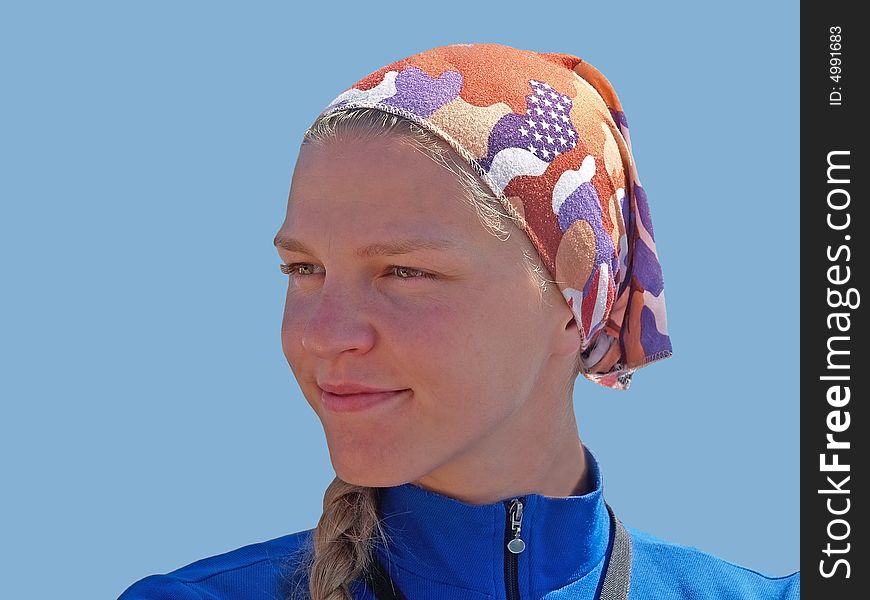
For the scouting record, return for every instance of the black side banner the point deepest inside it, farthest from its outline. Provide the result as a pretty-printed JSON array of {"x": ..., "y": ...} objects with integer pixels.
[{"x": 834, "y": 366}]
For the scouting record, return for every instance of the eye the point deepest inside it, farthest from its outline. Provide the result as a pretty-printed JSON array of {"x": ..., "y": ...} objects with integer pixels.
[
  {"x": 402, "y": 273},
  {"x": 406, "y": 273},
  {"x": 292, "y": 269}
]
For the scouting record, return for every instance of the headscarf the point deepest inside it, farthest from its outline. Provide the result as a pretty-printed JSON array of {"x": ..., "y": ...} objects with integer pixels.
[{"x": 547, "y": 134}]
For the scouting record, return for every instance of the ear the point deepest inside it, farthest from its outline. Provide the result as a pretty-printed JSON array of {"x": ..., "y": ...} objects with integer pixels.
[{"x": 568, "y": 340}]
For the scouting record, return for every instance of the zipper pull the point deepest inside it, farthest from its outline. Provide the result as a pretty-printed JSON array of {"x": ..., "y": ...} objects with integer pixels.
[{"x": 516, "y": 545}]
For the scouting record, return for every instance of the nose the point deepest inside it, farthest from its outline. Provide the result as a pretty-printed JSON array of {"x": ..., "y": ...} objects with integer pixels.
[{"x": 337, "y": 322}]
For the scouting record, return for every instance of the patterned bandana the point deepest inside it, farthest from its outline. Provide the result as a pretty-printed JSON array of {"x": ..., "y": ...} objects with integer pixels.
[{"x": 547, "y": 134}]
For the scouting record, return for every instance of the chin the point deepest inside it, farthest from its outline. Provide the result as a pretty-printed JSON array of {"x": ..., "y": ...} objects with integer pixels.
[
  {"x": 367, "y": 470},
  {"x": 369, "y": 478}
]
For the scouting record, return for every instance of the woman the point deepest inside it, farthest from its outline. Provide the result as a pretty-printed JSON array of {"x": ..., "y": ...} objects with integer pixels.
[{"x": 465, "y": 234}]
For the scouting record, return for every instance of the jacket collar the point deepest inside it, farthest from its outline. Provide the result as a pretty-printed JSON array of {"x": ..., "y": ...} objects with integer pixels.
[{"x": 436, "y": 539}]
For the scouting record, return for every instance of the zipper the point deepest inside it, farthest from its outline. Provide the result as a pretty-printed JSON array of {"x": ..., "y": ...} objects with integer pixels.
[{"x": 514, "y": 545}]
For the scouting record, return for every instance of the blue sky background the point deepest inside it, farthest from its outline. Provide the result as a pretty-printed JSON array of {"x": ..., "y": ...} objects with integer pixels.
[{"x": 149, "y": 417}]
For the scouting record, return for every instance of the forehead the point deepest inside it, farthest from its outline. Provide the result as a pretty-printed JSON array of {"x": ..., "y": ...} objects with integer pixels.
[{"x": 380, "y": 186}]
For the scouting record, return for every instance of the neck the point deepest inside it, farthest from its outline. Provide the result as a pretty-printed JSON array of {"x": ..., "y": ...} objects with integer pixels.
[{"x": 538, "y": 451}]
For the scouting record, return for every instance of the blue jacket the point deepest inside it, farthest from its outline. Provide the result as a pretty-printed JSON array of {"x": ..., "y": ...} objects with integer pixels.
[{"x": 441, "y": 548}]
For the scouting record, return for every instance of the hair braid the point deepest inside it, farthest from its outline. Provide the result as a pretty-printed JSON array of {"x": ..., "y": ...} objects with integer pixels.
[
  {"x": 341, "y": 550},
  {"x": 342, "y": 540}
]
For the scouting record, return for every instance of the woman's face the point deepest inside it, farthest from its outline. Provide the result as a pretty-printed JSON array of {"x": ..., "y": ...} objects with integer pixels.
[{"x": 453, "y": 317}]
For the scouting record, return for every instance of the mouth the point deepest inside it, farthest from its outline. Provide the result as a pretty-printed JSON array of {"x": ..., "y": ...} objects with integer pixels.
[{"x": 345, "y": 403}]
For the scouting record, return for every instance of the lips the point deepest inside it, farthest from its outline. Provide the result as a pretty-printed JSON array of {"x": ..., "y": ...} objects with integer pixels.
[
  {"x": 343, "y": 403},
  {"x": 344, "y": 389}
]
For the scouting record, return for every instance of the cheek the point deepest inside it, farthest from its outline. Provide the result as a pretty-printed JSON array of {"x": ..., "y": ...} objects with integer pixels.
[
  {"x": 453, "y": 351},
  {"x": 467, "y": 336},
  {"x": 416, "y": 327},
  {"x": 292, "y": 324}
]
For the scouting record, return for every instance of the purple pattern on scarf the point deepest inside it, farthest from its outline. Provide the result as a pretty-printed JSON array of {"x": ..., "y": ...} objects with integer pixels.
[
  {"x": 583, "y": 203},
  {"x": 643, "y": 209},
  {"x": 619, "y": 117},
  {"x": 546, "y": 129},
  {"x": 650, "y": 338},
  {"x": 421, "y": 94},
  {"x": 647, "y": 269}
]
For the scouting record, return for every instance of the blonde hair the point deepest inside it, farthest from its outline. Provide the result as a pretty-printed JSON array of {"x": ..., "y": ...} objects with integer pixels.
[{"x": 342, "y": 547}]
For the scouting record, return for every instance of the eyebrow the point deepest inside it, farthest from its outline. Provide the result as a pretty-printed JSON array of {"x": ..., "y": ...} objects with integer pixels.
[{"x": 377, "y": 249}]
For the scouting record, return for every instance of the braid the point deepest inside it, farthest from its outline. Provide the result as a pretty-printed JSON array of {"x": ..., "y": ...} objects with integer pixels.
[{"x": 342, "y": 547}]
